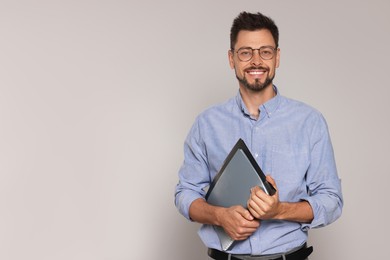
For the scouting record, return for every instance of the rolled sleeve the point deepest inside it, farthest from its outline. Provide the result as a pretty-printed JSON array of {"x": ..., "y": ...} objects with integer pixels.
[
  {"x": 324, "y": 185},
  {"x": 327, "y": 206},
  {"x": 194, "y": 173}
]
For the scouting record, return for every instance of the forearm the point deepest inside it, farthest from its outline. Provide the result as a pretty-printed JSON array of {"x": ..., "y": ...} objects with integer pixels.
[
  {"x": 295, "y": 211},
  {"x": 202, "y": 212}
]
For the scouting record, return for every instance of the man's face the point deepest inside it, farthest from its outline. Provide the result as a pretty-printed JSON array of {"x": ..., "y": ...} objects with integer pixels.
[{"x": 255, "y": 74}]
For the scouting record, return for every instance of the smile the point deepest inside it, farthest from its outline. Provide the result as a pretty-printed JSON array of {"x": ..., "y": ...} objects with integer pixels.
[{"x": 255, "y": 72}]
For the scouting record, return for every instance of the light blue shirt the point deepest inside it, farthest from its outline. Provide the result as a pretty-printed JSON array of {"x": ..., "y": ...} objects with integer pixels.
[{"x": 290, "y": 141}]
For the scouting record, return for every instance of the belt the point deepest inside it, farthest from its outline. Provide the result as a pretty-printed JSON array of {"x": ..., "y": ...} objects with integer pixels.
[{"x": 299, "y": 254}]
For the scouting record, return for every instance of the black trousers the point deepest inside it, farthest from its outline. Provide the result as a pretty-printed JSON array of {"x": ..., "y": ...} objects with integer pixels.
[{"x": 301, "y": 253}]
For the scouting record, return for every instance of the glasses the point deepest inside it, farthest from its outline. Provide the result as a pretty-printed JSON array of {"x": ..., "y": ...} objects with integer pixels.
[{"x": 265, "y": 52}]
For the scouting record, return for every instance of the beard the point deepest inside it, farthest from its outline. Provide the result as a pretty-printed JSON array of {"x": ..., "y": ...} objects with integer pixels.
[{"x": 257, "y": 86}]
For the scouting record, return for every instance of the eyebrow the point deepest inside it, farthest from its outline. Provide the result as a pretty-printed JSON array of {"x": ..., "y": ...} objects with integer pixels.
[{"x": 248, "y": 47}]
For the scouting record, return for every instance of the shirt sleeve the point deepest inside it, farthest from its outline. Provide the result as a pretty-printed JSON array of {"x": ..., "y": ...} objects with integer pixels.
[
  {"x": 193, "y": 174},
  {"x": 324, "y": 185}
]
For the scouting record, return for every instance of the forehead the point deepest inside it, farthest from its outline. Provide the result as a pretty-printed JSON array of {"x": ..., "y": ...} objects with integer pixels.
[{"x": 254, "y": 39}]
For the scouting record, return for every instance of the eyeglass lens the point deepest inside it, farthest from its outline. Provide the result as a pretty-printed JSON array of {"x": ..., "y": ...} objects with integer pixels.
[{"x": 266, "y": 53}]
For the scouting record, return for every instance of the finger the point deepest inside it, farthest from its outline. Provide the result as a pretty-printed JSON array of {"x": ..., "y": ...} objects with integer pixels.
[
  {"x": 271, "y": 180},
  {"x": 260, "y": 197},
  {"x": 255, "y": 209},
  {"x": 242, "y": 229},
  {"x": 253, "y": 212},
  {"x": 259, "y": 200},
  {"x": 254, "y": 189},
  {"x": 247, "y": 230},
  {"x": 245, "y": 213},
  {"x": 258, "y": 192},
  {"x": 250, "y": 226},
  {"x": 260, "y": 203}
]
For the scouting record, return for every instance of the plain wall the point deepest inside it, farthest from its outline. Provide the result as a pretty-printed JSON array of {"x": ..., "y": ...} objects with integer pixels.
[{"x": 97, "y": 97}]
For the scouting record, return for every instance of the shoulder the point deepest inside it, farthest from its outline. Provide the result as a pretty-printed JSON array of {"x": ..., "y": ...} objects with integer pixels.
[
  {"x": 299, "y": 108},
  {"x": 217, "y": 110},
  {"x": 302, "y": 115},
  {"x": 210, "y": 121}
]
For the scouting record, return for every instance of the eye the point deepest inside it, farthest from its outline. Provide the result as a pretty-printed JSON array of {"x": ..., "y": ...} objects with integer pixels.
[
  {"x": 266, "y": 52},
  {"x": 245, "y": 54},
  {"x": 244, "y": 51}
]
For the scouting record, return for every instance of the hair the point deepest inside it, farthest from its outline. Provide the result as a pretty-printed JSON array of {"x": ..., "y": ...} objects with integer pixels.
[{"x": 252, "y": 22}]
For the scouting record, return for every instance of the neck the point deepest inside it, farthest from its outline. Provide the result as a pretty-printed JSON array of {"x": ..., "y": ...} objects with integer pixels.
[{"x": 253, "y": 100}]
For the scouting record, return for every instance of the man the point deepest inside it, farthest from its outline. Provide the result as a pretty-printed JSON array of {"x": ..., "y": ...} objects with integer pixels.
[{"x": 288, "y": 139}]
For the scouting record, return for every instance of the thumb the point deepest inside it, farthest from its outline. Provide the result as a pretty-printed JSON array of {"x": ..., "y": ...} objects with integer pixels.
[{"x": 271, "y": 181}]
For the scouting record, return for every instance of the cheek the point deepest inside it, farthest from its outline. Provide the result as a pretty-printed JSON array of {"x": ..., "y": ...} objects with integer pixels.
[
  {"x": 241, "y": 66},
  {"x": 272, "y": 67},
  {"x": 237, "y": 68}
]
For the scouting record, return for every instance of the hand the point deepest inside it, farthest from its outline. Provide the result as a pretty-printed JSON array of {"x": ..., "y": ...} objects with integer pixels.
[
  {"x": 238, "y": 223},
  {"x": 263, "y": 206}
]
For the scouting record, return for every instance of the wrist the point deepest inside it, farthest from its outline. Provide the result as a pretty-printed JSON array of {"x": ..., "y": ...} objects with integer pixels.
[
  {"x": 281, "y": 210},
  {"x": 218, "y": 215}
]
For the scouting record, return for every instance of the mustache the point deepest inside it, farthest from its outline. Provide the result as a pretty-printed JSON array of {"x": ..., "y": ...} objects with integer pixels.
[{"x": 257, "y": 68}]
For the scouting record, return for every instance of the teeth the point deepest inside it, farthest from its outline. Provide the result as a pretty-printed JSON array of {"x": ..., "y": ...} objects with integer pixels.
[{"x": 256, "y": 72}]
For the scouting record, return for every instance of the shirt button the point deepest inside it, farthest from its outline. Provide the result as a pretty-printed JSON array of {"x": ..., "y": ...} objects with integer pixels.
[{"x": 256, "y": 155}]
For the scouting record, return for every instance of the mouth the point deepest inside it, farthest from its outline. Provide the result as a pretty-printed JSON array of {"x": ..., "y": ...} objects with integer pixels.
[{"x": 256, "y": 72}]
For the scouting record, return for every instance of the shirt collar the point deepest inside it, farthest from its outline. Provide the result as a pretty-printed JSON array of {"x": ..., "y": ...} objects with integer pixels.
[{"x": 266, "y": 109}]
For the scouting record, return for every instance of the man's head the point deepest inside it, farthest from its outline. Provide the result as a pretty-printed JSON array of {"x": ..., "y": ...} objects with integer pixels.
[
  {"x": 254, "y": 52},
  {"x": 252, "y": 22}
]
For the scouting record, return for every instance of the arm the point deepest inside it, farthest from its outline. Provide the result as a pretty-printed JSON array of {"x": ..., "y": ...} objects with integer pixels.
[
  {"x": 263, "y": 206},
  {"x": 236, "y": 221},
  {"x": 323, "y": 202},
  {"x": 194, "y": 177}
]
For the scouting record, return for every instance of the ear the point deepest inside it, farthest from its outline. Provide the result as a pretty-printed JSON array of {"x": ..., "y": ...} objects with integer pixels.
[
  {"x": 231, "y": 60},
  {"x": 277, "y": 58}
]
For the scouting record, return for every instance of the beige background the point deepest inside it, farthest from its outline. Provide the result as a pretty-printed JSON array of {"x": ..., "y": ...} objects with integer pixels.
[{"x": 96, "y": 98}]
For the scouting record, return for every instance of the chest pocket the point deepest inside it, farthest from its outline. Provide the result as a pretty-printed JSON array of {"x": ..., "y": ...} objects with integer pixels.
[
  {"x": 289, "y": 164},
  {"x": 289, "y": 167}
]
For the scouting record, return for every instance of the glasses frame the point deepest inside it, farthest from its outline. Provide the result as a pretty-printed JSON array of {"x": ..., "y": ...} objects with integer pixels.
[{"x": 274, "y": 49}]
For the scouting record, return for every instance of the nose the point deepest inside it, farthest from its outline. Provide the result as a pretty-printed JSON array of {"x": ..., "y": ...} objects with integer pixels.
[{"x": 256, "y": 58}]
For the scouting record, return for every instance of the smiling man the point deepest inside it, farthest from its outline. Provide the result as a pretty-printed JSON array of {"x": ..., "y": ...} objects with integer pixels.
[
  {"x": 288, "y": 139},
  {"x": 254, "y": 56}
]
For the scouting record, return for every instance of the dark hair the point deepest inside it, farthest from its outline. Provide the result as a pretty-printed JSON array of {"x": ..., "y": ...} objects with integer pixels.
[{"x": 252, "y": 22}]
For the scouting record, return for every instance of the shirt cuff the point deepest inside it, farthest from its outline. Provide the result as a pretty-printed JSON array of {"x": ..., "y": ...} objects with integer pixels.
[
  {"x": 185, "y": 201},
  {"x": 317, "y": 221}
]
